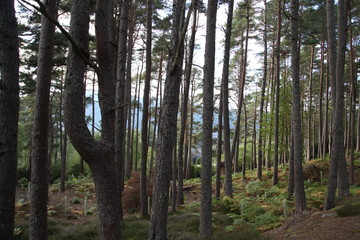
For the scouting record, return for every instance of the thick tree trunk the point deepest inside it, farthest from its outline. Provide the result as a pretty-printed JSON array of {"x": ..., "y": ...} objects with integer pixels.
[
  {"x": 225, "y": 88},
  {"x": 344, "y": 190},
  {"x": 120, "y": 101},
  {"x": 40, "y": 131},
  {"x": 99, "y": 155},
  {"x": 9, "y": 114},
  {"x": 300, "y": 200},
  {"x": 208, "y": 108},
  {"x": 336, "y": 67},
  {"x": 167, "y": 129}
]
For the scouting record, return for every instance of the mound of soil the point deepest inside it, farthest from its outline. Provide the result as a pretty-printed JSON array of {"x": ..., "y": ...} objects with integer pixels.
[{"x": 312, "y": 225}]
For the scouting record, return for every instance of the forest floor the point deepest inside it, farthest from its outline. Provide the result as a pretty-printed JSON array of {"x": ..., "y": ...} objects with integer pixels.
[{"x": 257, "y": 211}]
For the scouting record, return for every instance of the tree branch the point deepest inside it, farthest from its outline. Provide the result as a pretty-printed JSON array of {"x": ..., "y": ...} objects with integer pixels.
[{"x": 42, "y": 10}]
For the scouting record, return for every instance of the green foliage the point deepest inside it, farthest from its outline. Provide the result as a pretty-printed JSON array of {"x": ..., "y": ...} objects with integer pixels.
[{"x": 75, "y": 200}]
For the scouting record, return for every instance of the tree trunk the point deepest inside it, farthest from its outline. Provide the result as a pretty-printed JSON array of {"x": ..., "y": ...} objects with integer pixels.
[
  {"x": 245, "y": 142},
  {"x": 9, "y": 114},
  {"x": 188, "y": 68},
  {"x": 321, "y": 154},
  {"x": 130, "y": 123},
  {"x": 225, "y": 86},
  {"x": 208, "y": 108},
  {"x": 138, "y": 117},
  {"x": 219, "y": 147},
  {"x": 277, "y": 95},
  {"x": 336, "y": 68},
  {"x": 311, "y": 66},
  {"x": 98, "y": 154},
  {"x": 300, "y": 200},
  {"x": 63, "y": 147},
  {"x": 167, "y": 129},
  {"x": 352, "y": 102},
  {"x": 344, "y": 190},
  {"x": 262, "y": 99},
  {"x": 120, "y": 101},
  {"x": 40, "y": 131},
  {"x": 144, "y": 125},
  {"x": 156, "y": 113}
]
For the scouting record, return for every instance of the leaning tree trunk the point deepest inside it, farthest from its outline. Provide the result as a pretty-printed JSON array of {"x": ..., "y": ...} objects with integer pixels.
[
  {"x": 208, "y": 108},
  {"x": 98, "y": 154},
  {"x": 40, "y": 130},
  {"x": 188, "y": 68},
  {"x": 9, "y": 114},
  {"x": 300, "y": 200}
]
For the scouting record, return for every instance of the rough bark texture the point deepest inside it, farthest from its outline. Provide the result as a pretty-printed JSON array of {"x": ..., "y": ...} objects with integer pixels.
[
  {"x": 300, "y": 201},
  {"x": 338, "y": 116},
  {"x": 167, "y": 131},
  {"x": 120, "y": 101},
  {"x": 336, "y": 68},
  {"x": 208, "y": 109},
  {"x": 98, "y": 154},
  {"x": 225, "y": 88},
  {"x": 40, "y": 130},
  {"x": 9, "y": 114}
]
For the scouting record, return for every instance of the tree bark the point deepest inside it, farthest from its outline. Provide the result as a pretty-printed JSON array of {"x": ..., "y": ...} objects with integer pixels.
[
  {"x": 262, "y": 99},
  {"x": 184, "y": 107},
  {"x": 300, "y": 200},
  {"x": 144, "y": 125},
  {"x": 353, "y": 101},
  {"x": 277, "y": 95},
  {"x": 336, "y": 68},
  {"x": 208, "y": 109},
  {"x": 311, "y": 66},
  {"x": 40, "y": 131},
  {"x": 9, "y": 114},
  {"x": 167, "y": 129},
  {"x": 225, "y": 86},
  {"x": 98, "y": 154},
  {"x": 219, "y": 147}
]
